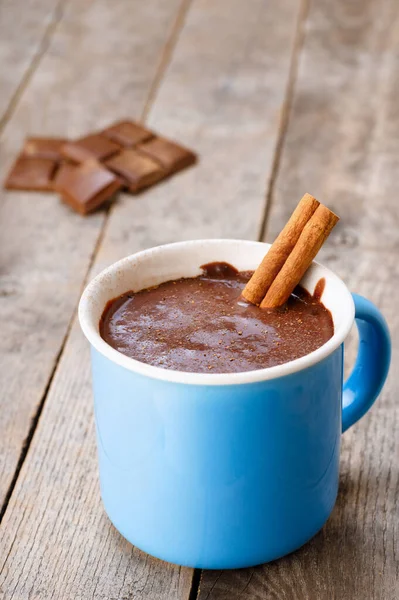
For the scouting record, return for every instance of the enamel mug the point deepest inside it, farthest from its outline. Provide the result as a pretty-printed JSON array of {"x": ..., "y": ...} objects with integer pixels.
[{"x": 224, "y": 471}]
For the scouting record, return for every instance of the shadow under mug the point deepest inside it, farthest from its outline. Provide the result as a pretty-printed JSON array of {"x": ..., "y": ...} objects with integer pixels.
[{"x": 225, "y": 470}]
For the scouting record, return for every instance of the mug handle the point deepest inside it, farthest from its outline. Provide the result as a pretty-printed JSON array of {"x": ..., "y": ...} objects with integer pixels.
[{"x": 372, "y": 363}]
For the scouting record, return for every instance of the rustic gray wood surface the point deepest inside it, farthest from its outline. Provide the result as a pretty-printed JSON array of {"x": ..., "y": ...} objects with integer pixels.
[
  {"x": 46, "y": 249},
  {"x": 24, "y": 37},
  {"x": 277, "y": 99}
]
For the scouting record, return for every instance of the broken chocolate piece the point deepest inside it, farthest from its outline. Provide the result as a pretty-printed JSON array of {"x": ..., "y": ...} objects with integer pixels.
[
  {"x": 172, "y": 157},
  {"x": 87, "y": 186},
  {"x": 31, "y": 174},
  {"x": 137, "y": 170},
  {"x": 94, "y": 146},
  {"x": 38, "y": 147},
  {"x": 128, "y": 133}
]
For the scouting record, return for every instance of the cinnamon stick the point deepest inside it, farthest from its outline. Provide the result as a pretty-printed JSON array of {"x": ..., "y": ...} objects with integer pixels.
[
  {"x": 262, "y": 279},
  {"x": 314, "y": 234}
]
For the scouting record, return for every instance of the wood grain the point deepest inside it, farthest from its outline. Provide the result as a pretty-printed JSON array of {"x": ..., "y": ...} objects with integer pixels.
[
  {"x": 343, "y": 145},
  {"x": 221, "y": 96},
  {"x": 46, "y": 249},
  {"x": 24, "y": 34}
]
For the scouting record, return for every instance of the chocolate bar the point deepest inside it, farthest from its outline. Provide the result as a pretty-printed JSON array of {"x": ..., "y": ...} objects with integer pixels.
[
  {"x": 87, "y": 186},
  {"x": 88, "y": 171},
  {"x": 127, "y": 133},
  {"x": 31, "y": 174},
  {"x": 138, "y": 171},
  {"x": 92, "y": 146}
]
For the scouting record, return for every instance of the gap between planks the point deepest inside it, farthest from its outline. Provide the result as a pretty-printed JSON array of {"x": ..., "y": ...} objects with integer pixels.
[
  {"x": 299, "y": 41},
  {"x": 34, "y": 63},
  {"x": 165, "y": 58},
  {"x": 195, "y": 584}
]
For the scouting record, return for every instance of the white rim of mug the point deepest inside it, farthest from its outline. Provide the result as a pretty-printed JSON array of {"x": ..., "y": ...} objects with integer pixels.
[{"x": 208, "y": 379}]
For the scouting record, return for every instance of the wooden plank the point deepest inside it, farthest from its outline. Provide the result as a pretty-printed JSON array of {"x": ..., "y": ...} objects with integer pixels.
[
  {"x": 100, "y": 66},
  {"x": 222, "y": 96},
  {"x": 342, "y": 145},
  {"x": 24, "y": 35},
  {"x": 356, "y": 554}
]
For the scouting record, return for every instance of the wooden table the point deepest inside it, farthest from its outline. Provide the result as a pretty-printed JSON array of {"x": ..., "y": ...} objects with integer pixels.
[{"x": 278, "y": 98}]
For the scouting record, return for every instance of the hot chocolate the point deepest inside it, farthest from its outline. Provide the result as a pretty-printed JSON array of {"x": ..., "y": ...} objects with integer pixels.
[{"x": 203, "y": 325}]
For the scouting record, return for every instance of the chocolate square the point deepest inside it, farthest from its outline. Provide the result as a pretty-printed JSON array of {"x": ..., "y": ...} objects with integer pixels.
[
  {"x": 128, "y": 133},
  {"x": 38, "y": 147},
  {"x": 137, "y": 170},
  {"x": 95, "y": 146},
  {"x": 172, "y": 157},
  {"x": 31, "y": 174},
  {"x": 62, "y": 175},
  {"x": 87, "y": 186}
]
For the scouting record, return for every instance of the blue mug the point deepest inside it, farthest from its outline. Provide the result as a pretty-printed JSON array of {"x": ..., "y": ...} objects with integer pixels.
[{"x": 222, "y": 471}]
